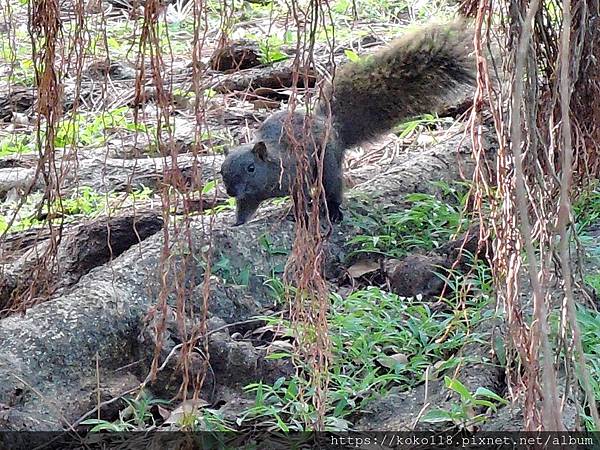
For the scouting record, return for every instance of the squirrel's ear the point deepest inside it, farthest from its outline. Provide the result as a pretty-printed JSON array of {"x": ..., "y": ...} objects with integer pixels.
[{"x": 260, "y": 150}]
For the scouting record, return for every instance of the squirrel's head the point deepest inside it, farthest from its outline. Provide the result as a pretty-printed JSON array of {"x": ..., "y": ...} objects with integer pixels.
[{"x": 251, "y": 175}]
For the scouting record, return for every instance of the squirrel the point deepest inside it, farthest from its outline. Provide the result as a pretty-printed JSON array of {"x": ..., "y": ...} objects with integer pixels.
[{"x": 417, "y": 73}]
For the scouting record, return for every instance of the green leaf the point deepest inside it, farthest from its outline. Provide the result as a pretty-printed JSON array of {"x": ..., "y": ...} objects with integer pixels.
[
  {"x": 486, "y": 403},
  {"x": 209, "y": 186},
  {"x": 277, "y": 355},
  {"x": 484, "y": 392},
  {"x": 351, "y": 55},
  {"x": 278, "y": 383},
  {"x": 340, "y": 407},
  {"x": 281, "y": 423},
  {"x": 437, "y": 416},
  {"x": 93, "y": 422},
  {"x": 459, "y": 388}
]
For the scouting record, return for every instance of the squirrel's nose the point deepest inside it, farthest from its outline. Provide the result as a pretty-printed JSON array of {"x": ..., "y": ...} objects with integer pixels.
[{"x": 231, "y": 191}]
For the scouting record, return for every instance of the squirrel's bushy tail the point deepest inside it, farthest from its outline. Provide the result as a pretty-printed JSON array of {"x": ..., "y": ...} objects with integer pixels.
[{"x": 417, "y": 73}]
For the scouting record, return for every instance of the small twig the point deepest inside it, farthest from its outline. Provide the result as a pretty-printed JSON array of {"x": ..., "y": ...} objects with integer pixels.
[
  {"x": 127, "y": 366},
  {"x": 103, "y": 404},
  {"x": 426, "y": 403}
]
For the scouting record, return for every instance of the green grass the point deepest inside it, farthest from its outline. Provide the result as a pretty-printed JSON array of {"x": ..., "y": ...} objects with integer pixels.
[
  {"x": 586, "y": 211},
  {"x": 425, "y": 223},
  {"x": 593, "y": 280},
  {"x": 88, "y": 130},
  {"x": 136, "y": 416},
  {"x": 17, "y": 53},
  {"x": 16, "y": 144},
  {"x": 587, "y": 208},
  {"x": 80, "y": 129},
  {"x": 84, "y": 203},
  {"x": 587, "y": 215},
  {"x": 270, "y": 49},
  {"x": 589, "y": 323},
  {"x": 465, "y": 413},
  {"x": 379, "y": 341}
]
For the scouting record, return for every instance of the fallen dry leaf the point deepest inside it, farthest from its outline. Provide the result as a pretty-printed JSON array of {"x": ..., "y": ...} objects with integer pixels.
[
  {"x": 391, "y": 361},
  {"x": 363, "y": 267},
  {"x": 186, "y": 407}
]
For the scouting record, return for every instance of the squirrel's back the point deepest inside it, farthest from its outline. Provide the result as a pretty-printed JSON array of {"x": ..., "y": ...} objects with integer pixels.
[{"x": 416, "y": 74}]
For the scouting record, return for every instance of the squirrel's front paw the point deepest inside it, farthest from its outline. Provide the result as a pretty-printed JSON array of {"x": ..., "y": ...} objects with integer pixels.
[{"x": 335, "y": 213}]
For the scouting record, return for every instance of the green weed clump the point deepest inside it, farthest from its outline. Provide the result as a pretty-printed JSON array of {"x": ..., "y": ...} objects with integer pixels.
[{"x": 425, "y": 223}]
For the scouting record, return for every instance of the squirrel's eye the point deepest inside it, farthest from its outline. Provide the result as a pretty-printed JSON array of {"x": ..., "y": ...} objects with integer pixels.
[{"x": 250, "y": 168}]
